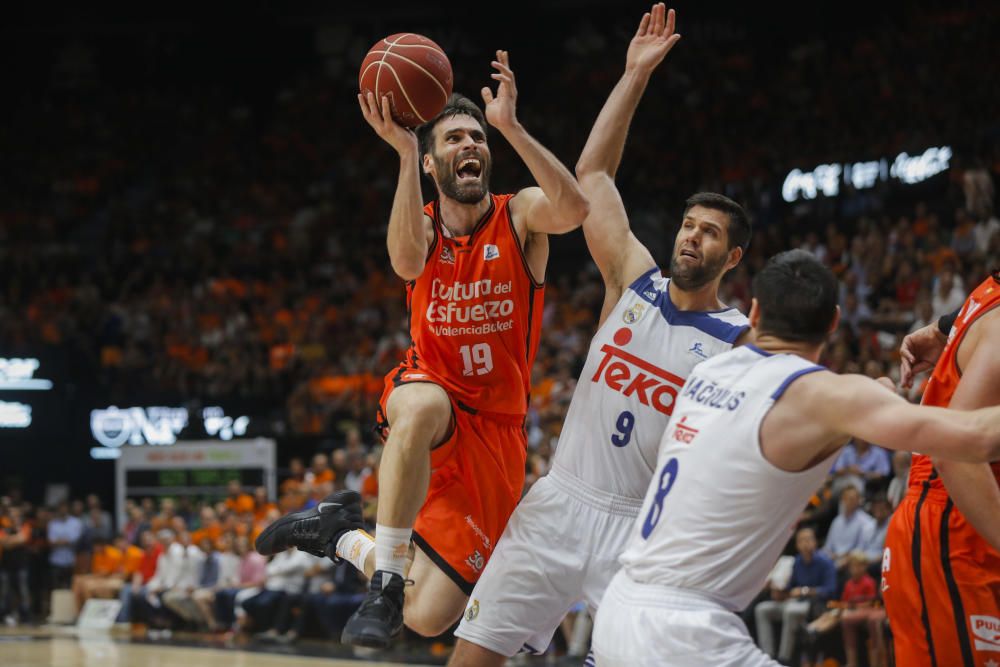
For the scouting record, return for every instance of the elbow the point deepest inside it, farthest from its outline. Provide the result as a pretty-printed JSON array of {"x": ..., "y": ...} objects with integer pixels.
[
  {"x": 588, "y": 168},
  {"x": 579, "y": 209},
  {"x": 408, "y": 270}
]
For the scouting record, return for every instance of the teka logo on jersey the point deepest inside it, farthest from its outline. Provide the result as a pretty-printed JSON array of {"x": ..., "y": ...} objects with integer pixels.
[
  {"x": 628, "y": 374},
  {"x": 987, "y": 632},
  {"x": 684, "y": 432}
]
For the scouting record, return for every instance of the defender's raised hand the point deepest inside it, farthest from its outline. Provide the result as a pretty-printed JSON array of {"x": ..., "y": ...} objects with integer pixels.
[
  {"x": 653, "y": 40},
  {"x": 381, "y": 120},
  {"x": 501, "y": 109}
]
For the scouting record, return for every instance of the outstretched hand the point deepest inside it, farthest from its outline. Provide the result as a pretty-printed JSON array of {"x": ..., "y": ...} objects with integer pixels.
[
  {"x": 385, "y": 126},
  {"x": 653, "y": 40},
  {"x": 501, "y": 109}
]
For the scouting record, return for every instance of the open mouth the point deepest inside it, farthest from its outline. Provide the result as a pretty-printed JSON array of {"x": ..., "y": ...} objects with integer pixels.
[
  {"x": 691, "y": 254},
  {"x": 469, "y": 169}
]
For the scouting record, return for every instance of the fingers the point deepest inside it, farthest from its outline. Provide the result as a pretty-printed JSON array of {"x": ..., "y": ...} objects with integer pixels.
[
  {"x": 905, "y": 374},
  {"x": 487, "y": 95},
  {"x": 643, "y": 25},
  {"x": 658, "y": 18},
  {"x": 386, "y": 111},
  {"x": 671, "y": 22},
  {"x": 503, "y": 78}
]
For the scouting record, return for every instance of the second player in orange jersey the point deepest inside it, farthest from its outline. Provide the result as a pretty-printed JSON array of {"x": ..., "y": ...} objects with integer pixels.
[
  {"x": 453, "y": 411},
  {"x": 941, "y": 568}
]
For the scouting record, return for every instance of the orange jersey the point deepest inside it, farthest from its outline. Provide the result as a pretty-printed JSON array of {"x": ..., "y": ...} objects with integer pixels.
[
  {"x": 475, "y": 315},
  {"x": 944, "y": 381}
]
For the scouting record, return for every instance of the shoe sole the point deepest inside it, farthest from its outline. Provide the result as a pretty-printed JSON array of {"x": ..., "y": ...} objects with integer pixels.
[{"x": 369, "y": 640}]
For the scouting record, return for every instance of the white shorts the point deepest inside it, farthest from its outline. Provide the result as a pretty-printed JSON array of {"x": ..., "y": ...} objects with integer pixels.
[
  {"x": 642, "y": 625},
  {"x": 560, "y": 546}
]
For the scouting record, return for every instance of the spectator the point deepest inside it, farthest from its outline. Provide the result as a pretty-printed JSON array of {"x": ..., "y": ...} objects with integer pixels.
[
  {"x": 814, "y": 579},
  {"x": 335, "y": 597},
  {"x": 863, "y": 465},
  {"x": 252, "y": 576},
  {"x": 64, "y": 533},
  {"x": 320, "y": 472},
  {"x": 357, "y": 472},
  {"x": 14, "y": 568},
  {"x": 201, "y": 572},
  {"x": 875, "y": 544},
  {"x": 851, "y": 529},
  {"x": 237, "y": 501},
  {"x": 135, "y": 586},
  {"x": 948, "y": 294},
  {"x": 860, "y": 597},
  {"x": 286, "y": 577},
  {"x": 228, "y": 577},
  {"x": 147, "y": 603}
]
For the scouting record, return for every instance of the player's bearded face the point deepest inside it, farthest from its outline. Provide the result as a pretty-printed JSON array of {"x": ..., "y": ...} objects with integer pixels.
[
  {"x": 701, "y": 250},
  {"x": 463, "y": 176},
  {"x": 461, "y": 160},
  {"x": 690, "y": 273}
]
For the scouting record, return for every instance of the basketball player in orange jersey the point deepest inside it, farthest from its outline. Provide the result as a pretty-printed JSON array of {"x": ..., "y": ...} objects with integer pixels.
[
  {"x": 941, "y": 566},
  {"x": 453, "y": 465}
]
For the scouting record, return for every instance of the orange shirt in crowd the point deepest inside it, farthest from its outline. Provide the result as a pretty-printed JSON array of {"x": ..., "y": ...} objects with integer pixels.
[
  {"x": 325, "y": 476},
  {"x": 106, "y": 561},
  {"x": 261, "y": 512},
  {"x": 212, "y": 531},
  {"x": 241, "y": 503},
  {"x": 133, "y": 560},
  {"x": 369, "y": 487}
]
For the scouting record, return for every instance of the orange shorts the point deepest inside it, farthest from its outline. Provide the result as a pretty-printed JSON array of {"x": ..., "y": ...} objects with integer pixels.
[
  {"x": 941, "y": 585},
  {"x": 477, "y": 476}
]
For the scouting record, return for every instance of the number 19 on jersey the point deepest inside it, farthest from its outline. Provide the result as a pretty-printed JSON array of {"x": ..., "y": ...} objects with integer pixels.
[{"x": 476, "y": 359}]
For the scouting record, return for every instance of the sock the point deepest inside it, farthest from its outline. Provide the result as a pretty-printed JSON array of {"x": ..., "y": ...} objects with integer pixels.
[
  {"x": 354, "y": 547},
  {"x": 391, "y": 548}
]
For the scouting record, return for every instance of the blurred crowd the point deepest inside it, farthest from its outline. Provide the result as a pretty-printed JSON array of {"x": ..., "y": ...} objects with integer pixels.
[
  {"x": 177, "y": 244},
  {"x": 186, "y": 563}
]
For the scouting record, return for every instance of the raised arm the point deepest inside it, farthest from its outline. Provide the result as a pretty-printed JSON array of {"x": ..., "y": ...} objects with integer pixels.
[
  {"x": 854, "y": 405},
  {"x": 410, "y": 232},
  {"x": 558, "y": 204},
  {"x": 617, "y": 253},
  {"x": 972, "y": 485}
]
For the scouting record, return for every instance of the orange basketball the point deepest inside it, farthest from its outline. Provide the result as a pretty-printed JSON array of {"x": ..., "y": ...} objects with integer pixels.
[{"x": 413, "y": 71}]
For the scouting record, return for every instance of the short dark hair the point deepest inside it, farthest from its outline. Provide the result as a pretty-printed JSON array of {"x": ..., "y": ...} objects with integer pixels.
[
  {"x": 740, "y": 228},
  {"x": 797, "y": 297},
  {"x": 457, "y": 105}
]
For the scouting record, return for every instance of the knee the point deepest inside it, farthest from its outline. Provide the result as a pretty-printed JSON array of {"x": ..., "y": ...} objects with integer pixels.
[{"x": 419, "y": 416}]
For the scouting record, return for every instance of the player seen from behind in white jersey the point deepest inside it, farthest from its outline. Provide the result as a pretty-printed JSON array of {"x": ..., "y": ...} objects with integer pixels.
[
  {"x": 754, "y": 434},
  {"x": 563, "y": 540}
]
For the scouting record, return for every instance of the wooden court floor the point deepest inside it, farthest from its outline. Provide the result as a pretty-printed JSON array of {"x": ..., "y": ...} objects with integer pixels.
[{"x": 42, "y": 648}]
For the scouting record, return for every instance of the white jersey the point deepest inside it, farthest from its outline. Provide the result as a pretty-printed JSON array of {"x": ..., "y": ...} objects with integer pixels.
[
  {"x": 637, "y": 364},
  {"x": 718, "y": 514}
]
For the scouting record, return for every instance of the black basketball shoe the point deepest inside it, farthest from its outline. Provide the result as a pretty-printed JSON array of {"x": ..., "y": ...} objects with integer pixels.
[
  {"x": 379, "y": 619},
  {"x": 315, "y": 530}
]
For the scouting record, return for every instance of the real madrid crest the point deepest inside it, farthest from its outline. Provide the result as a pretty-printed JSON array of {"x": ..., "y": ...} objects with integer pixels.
[
  {"x": 473, "y": 611},
  {"x": 632, "y": 315}
]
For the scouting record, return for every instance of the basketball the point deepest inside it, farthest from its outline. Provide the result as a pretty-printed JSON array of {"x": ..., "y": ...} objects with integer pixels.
[{"x": 413, "y": 71}]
